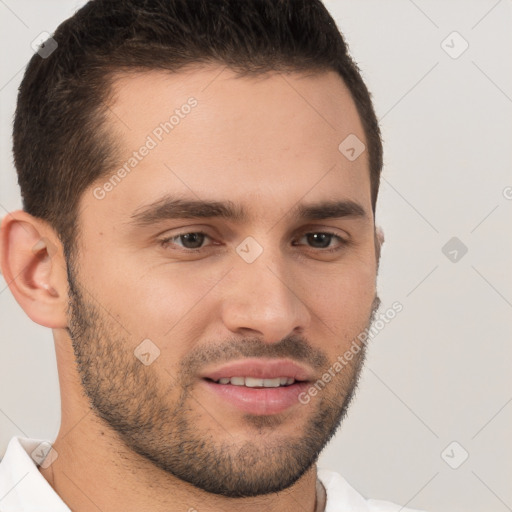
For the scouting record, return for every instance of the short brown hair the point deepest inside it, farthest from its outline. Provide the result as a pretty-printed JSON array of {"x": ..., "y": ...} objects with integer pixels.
[{"x": 61, "y": 145}]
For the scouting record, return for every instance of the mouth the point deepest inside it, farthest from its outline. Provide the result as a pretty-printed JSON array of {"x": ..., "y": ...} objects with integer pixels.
[
  {"x": 253, "y": 382},
  {"x": 252, "y": 396},
  {"x": 257, "y": 386}
]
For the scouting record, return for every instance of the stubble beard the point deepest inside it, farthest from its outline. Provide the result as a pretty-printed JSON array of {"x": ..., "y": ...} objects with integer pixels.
[{"x": 133, "y": 400}]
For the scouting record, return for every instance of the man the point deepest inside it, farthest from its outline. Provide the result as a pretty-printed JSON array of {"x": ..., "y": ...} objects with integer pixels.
[{"x": 199, "y": 182}]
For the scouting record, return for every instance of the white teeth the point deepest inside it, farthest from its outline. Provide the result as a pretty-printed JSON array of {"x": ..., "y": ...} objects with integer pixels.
[
  {"x": 272, "y": 383},
  {"x": 253, "y": 382}
]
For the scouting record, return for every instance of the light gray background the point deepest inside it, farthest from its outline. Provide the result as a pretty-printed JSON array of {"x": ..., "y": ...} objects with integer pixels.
[{"x": 440, "y": 371}]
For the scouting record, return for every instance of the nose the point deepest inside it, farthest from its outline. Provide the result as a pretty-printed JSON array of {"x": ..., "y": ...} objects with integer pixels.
[{"x": 261, "y": 300}]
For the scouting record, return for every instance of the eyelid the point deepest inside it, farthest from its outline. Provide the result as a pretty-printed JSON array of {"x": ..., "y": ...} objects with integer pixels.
[{"x": 325, "y": 229}]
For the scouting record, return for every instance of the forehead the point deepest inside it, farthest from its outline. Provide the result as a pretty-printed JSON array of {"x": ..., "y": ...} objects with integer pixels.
[{"x": 206, "y": 133}]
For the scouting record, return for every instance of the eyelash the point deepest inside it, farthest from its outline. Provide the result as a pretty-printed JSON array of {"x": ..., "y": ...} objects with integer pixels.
[{"x": 164, "y": 242}]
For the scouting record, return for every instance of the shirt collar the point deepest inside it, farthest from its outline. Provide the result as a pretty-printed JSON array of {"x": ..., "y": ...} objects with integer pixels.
[{"x": 22, "y": 486}]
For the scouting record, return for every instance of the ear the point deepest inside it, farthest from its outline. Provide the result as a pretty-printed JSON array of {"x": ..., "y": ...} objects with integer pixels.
[
  {"x": 379, "y": 240},
  {"x": 34, "y": 267}
]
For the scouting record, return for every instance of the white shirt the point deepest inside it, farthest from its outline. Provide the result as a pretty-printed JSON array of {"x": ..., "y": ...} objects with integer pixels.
[{"x": 24, "y": 489}]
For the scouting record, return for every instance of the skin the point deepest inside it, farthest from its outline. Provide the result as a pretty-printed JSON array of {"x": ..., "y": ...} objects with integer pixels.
[{"x": 264, "y": 143}]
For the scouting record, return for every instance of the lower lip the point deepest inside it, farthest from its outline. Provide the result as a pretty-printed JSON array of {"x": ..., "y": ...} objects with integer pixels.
[{"x": 261, "y": 401}]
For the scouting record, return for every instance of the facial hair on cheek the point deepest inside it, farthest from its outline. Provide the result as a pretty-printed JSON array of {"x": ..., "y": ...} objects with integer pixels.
[{"x": 130, "y": 399}]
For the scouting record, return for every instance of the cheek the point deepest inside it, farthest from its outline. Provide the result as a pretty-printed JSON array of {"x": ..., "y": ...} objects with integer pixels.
[
  {"x": 342, "y": 300},
  {"x": 159, "y": 302}
]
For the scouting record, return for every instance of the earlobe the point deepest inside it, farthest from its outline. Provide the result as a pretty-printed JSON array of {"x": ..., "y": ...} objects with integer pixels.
[
  {"x": 34, "y": 268},
  {"x": 379, "y": 240},
  {"x": 380, "y": 235}
]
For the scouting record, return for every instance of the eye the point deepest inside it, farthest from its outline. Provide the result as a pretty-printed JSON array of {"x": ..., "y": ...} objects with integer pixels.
[
  {"x": 191, "y": 241},
  {"x": 322, "y": 240}
]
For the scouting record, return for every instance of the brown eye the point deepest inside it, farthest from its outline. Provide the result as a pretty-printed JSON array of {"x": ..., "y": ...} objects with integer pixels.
[
  {"x": 322, "y": 240},
  {"x": 190, "y": 241}
]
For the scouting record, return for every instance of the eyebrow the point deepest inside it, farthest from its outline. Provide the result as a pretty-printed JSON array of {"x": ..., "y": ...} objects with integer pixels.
[{"x": 176, "y": 208}]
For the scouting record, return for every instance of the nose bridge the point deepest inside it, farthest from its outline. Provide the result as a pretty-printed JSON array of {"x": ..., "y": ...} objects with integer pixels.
[{"x": 262, "y": 296}]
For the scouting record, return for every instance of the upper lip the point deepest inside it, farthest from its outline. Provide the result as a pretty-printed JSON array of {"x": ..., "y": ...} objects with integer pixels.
[{"x": 260, "y": 368}]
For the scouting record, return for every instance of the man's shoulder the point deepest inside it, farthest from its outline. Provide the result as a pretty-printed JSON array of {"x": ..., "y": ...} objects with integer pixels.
[{"x": 342, "y": 497}]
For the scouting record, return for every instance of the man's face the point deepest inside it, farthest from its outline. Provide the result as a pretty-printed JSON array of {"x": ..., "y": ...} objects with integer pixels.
[{"x": 275, "y": 291}]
